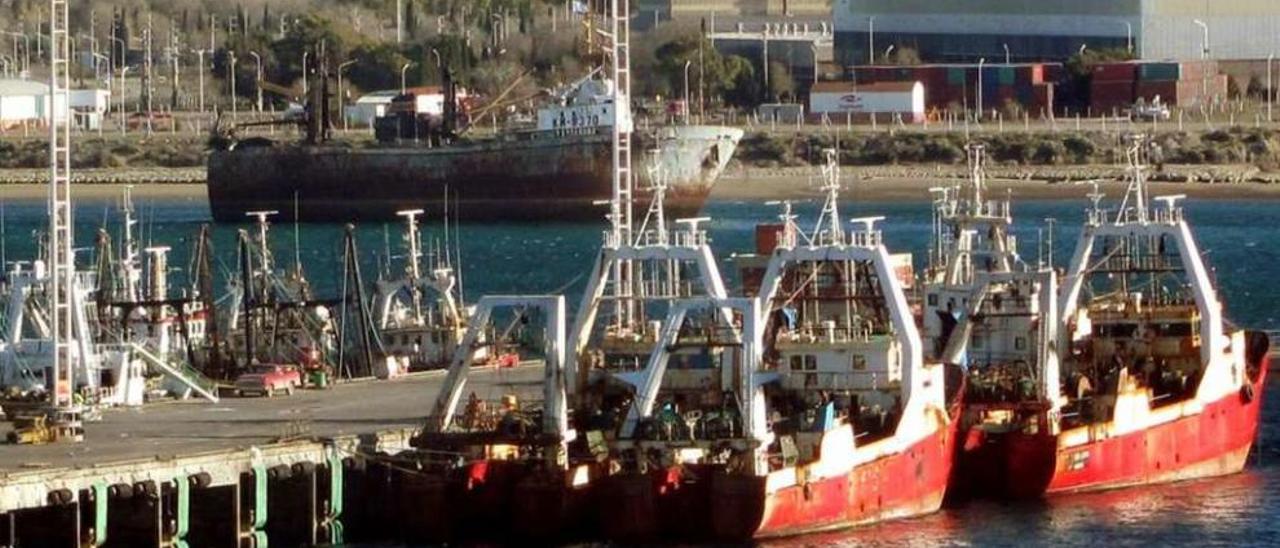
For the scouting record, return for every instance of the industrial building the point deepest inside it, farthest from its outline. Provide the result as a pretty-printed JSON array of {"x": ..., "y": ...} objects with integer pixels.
[
  {"x": 24, "y": 102},
  {"x": 1053, "y": 30}
]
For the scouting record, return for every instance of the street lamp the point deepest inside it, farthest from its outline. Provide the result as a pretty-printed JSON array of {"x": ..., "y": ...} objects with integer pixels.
[
  {"x": 687, "y": 63},
  {"x": 871, "y": 40},
  {"x": 98, "y": 60},
  {"x": 231, "y": 75},
  {"x": 200, "y": 62},
  {"x": 124, "y": 76},
  {"x": 305, "y": 89},
  {"x": 887, "y": 51},
  {"x": 342, "y": 99},
  {"x": 403, "y": 70},
  {"x": 1204, "y": 45},
  {"x": 1006, "y": 54},
  {"x": 257, "y": 79},
  {"x": 1271, "y": 96},
  {"x": 981, "y": 62},
  {"x": 436, "y": 53},
  {"x": 26, "y": 47},
  {"x": 1128, "y": 35}
]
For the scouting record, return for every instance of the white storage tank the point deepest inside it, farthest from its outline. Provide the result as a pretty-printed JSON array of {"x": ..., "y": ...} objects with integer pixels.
[{"x": 837, "y": 100}]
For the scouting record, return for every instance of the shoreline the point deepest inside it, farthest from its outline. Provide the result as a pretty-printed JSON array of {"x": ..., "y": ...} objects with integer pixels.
[{"x": 871, "y": 183}]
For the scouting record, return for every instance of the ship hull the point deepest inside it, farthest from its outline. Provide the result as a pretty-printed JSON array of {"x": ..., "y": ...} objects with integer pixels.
[
  {"x": 559, "y": 178},
  {"x": 1213, "y": 442},
  {"x": 910, "y": 483}
]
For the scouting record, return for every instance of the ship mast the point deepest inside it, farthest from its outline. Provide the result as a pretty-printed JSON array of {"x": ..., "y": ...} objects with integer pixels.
[
  {"x": 61, "y": 258},
  {"x": 635, "y": 268}
]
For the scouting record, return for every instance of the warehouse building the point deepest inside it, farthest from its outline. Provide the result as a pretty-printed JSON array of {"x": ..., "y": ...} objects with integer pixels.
[
  {"x": 24, "y": 102},
  {"x": 1053, "y": 30}
]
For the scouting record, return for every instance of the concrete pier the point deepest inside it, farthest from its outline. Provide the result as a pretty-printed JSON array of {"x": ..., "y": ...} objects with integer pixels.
[{"x": 303, "y": 470}]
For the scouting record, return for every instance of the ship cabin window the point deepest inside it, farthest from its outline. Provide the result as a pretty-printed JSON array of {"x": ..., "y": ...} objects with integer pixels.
[
  {"x": 810, "y": 362},
  {"x": 1118, "y": 330},
  {"x": 1020, "y": 343},
  {"x": 859, "y": 362},
  {"x": 797, "y": 363},
  {"x": 1179, "y": 329},
  {"x": 933, "y": 299}
]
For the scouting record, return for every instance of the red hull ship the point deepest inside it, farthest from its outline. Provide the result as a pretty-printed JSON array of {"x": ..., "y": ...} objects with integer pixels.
[
  {"x": 816, "y": 409},
  {"x": 1157, "y": 386},
  {"x": 901, "y": 485}
]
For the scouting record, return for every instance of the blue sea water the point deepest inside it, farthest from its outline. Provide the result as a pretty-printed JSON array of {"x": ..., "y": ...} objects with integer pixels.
[{"x": 1240, "y": 239}]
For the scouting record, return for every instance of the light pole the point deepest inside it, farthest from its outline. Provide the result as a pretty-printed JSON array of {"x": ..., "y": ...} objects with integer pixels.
[
  {"x": 1204, "y": 45},
  {"x": 871, "y": 40},
  {"x": 231, "y": 75},
  {"x": 403, "y": 70},
  {"x": 98, "y": 59},
  {"x": 687, "y": 64},
  {"x": 981, "y": 62},
  {"x": 813, "y": 48},
  {"x": 124, "y": 76},
  {"x": 257, "y": 79},
  {"x": 1006, "y": 54},
  {"x": 26, "y": 48},
  {"x": 887, "y": 51},
  {"x": 200, "y": 63},
  {"x": 1128, "y": 35},
  {"x": 439, "y": 63},
  {"x": 1271, "y": 96},
  {"x": 305, "y": 89},
  {"x": 342, "y": 99},
  {"x": 765, "y": 42}
]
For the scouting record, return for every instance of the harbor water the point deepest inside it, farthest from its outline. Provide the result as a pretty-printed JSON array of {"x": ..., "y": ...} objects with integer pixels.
[{"x": 1239, "y": 239}]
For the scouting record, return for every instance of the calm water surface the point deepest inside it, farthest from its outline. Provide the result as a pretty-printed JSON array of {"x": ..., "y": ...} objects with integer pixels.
[{"x": 1241, "y": 241}]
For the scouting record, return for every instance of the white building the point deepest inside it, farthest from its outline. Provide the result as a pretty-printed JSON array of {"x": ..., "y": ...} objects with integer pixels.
[
  {"x": 91, "y": 100},
  {"x": 370, "y": 106},
  {"x": 27, "y": 102},
  {"x": 905, "y": 99}
]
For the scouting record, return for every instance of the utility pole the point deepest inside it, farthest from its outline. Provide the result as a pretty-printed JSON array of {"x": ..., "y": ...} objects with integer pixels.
[{"x": 399, "y": 21}]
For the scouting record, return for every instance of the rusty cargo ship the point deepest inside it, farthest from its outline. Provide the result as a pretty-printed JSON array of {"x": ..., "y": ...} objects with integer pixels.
[{"x": 558, "y": 169}]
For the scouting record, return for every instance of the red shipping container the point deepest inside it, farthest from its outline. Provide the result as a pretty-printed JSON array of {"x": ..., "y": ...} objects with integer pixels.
[
  {"x": 1166, "y": 91},
  {"x": 1115, "y": 72},
  {"x": 1043, "y": 99},
  {"x": 767, "y": 236}
]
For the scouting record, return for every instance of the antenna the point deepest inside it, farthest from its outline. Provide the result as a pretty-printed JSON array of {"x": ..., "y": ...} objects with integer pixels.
[
  {"x": 830, "y": 216},
  {"x": 1134, "y": 207}
]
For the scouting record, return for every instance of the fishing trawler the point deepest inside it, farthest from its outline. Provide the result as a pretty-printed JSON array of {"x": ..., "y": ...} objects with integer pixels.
[
  {"x": 818, "y": 410},
  {"x": 420, "y": 315},
  {"x": 1158, "y": 386},
  {"x": 987, "y": 310}
]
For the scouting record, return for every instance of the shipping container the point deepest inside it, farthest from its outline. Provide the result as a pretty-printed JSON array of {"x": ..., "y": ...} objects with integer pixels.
[
  {"x": 1005, "y": 75},
  {"x": 1160, "y": 72},
  {"x": 1114, "y": 72},
  {"x": 904, "y": 98}
]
